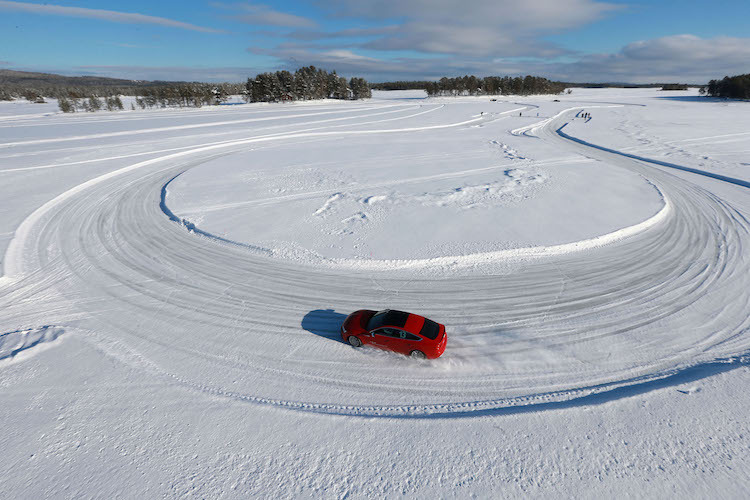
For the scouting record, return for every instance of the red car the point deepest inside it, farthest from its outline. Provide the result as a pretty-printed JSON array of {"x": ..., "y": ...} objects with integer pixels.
[{"x": 397, "y": 331}]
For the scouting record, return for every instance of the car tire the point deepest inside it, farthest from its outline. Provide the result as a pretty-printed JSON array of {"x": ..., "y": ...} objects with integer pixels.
[
  {"x": 354, "y": 341},
  {"x": 417, "y": 355}
]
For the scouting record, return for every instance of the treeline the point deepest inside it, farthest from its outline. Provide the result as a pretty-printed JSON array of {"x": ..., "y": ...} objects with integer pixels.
[
  {"x": 91, "y": 104},
  {"x": 674, "y": 86},
  {"x": 304, "y": 84},
  {"x": 94, "y": 98},
  {"x": 401, "y": 85},
  {"x": 37, "y": 93},
  {"x": 70, "y": 99},
  {"x": 167, "y": 96},
  {"x": 493, "y": 85},
  {"x": 28, "y": 79},
  {"x": 35, "y": 87},
  {"x": 613, "y": 85},
  {"x": 100, "y": 93},
  {"x": 730, "y": 87},
  {"x": 187, "y": 95},
  {"x": 9, "y": 93}
]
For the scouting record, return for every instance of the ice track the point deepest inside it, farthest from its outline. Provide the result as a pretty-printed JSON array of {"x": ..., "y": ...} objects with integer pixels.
[{"x": 105, "y": 260}]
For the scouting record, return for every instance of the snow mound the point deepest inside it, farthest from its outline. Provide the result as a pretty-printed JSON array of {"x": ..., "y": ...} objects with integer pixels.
[{"x": 23, "y": 341}]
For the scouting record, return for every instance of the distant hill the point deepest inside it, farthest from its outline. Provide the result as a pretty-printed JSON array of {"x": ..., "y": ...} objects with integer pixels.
[{"x": 11, "y": 77}]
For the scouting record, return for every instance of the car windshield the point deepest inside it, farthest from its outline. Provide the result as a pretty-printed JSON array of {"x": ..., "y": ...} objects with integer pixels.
[
  {"x": 387, "y": 318},
  {"x": 430, "y": 329}
]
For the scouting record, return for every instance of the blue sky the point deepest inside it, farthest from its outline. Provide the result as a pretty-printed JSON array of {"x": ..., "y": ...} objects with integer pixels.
[{"x": 572, "y": 40}]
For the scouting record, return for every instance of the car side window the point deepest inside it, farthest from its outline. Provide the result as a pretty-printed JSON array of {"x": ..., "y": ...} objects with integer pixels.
[
  {"x": 387, "y": 332},
  {"x": 397, "y": 333}
]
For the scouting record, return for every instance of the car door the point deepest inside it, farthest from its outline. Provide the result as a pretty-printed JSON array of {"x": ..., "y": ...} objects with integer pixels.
[
  {"x": 379, "y": 337},
  {"x": 405, "y": 342},
  {"x": 384, "y": 337}
]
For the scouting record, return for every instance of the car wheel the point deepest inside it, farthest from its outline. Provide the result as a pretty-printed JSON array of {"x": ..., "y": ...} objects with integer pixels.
[
  {"x": 354, "y": 341},
  {"x": 418, "y": 355}
]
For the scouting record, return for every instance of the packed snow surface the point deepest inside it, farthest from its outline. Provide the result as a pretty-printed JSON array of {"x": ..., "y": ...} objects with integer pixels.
[
  {"x": 380, "y": 198},
  {"x": 174, "y": 281}
]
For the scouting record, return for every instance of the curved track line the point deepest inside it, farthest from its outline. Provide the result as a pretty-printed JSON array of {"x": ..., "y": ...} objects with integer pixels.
[
  {"x": 731, "y": 180},
  {"x": 453, "y": 261},
  {"x": 224, "y": 321},
  {"x": 185, "y": 127},
  {"x": 98, "y": 160},
  {"x": 12, "y": 255},
  {"x": 535, "y": 127}
]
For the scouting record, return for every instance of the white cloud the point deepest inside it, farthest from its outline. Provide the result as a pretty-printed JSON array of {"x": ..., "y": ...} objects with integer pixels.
[
  {"x": 263, "y": 15},
  {"x": 681, "y": 58},
  {"x": 476, "y": 28},
  {"x": 348, "y": 63},
  {"x": 480, "y": 28},
  {"x": 103, "y": 15},
  {"x": 678, "y": 58},
  {"x": 345, "y": 33},
  {"x": 537, "y": 14},
  {"x": 347, "y": 55}
]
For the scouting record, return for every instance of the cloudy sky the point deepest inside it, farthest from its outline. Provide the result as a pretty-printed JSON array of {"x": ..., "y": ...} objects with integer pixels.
[{"x": 572, "y": 40}]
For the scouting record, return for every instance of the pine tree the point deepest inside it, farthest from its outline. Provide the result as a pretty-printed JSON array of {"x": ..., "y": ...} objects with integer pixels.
[
  {"x": 65, "y": 105},
  {"x": 286, "y": 85},
  {"x": 360, "y": 88},
  {"x": 94, "y": 104}
]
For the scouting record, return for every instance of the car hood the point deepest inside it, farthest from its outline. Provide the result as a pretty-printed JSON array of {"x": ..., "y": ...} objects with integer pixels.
[{"x": 357, "y": 321}]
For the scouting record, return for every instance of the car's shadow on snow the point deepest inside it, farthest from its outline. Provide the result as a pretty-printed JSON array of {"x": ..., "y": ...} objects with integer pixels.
[{"x": 324, "y": 323}]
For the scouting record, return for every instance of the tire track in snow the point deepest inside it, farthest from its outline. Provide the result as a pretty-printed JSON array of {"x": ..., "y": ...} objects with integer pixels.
[
  {"x": 180, "y": 127},
  {"x": 225, "y": 321}
]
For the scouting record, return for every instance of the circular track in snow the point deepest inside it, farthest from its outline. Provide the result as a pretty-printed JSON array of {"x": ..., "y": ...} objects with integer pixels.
[{"x": 226, "y": 320}]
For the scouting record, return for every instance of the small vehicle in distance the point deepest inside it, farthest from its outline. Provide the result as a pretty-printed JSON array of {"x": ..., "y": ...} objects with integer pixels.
[{"x": 397, "y": 331}]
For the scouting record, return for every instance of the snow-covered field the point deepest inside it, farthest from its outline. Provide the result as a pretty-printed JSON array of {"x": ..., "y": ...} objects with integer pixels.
[{"x": 173, "y": 283}]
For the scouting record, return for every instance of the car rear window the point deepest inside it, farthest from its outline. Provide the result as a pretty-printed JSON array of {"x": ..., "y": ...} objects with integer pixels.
[
  {"x": 430, "y": 329},
  {"x": 388, "y": 317}
]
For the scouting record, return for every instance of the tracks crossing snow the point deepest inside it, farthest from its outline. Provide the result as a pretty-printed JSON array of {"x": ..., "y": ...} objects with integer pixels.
[{"x": 227, "y": 321}]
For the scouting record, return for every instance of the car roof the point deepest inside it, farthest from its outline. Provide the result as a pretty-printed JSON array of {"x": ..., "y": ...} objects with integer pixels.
[
  {"x": 407, "y": 321},
  {"x": 413, "y": 323},
  {"x": 394, "y": 318}
]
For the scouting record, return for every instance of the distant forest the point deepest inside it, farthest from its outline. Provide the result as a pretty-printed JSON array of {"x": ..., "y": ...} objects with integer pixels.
[
  {"x": 304, "y": 84},
  {"x": 493, "y": 85},
  {"x": 401, "y": 85},
  {"x": 86, "y": 93},
  {"x": 674, "y": 86},
  {"x": 507, "y": 82},
  {"x": 36, "y": 86},
  {"x": 731, "y": 87},
  {"x": 472, "y": 85},
  {"x": 95, "y": 93}
]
